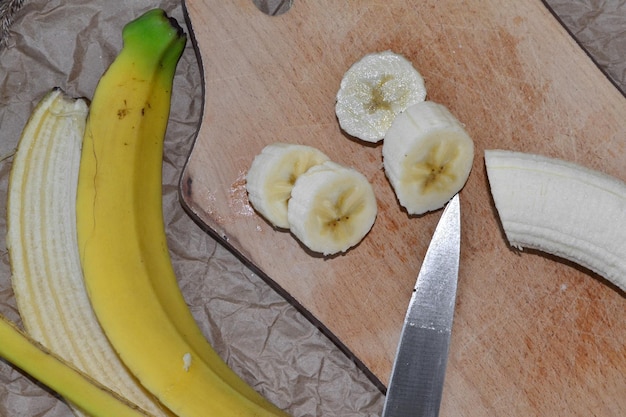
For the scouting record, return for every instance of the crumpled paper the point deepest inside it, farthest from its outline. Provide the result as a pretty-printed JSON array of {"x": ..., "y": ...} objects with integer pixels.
[
  {"x": 599, "y": 26},
  {"x": 261, "y": 336}
]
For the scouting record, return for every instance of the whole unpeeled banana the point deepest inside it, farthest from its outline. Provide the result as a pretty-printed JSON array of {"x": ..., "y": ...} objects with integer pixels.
[{"x": 121, "y": 236}]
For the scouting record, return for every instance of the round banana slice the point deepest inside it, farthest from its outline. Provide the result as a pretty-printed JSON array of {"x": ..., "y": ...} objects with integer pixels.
[
  {"x": 373, "y": 91},
  {"x": 272, "y": 175},
  {"x": 332, "y": 208},
  {"x": 427, "y": 157}
]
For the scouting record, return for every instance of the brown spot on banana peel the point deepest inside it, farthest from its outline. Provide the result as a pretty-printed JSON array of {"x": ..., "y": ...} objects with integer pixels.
[{"x": 123, "y": 112}]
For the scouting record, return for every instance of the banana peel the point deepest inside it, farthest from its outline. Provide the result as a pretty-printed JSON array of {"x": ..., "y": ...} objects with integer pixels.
[{"x": 78, "y": 388}]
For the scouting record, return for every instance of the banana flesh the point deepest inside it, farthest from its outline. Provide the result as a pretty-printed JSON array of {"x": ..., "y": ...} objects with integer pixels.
[
  {"x": 373, "y": 91},
  {"x": 328, "y": 207},
  {"x": 332, "y": 208},
  {"x": 121, "y": 236},
  {"x": 272, "y": 175},
  {"x": 41, "y": 237},
  {"x": 561, "y": 208},
  {"x": 427, "y": 156}
]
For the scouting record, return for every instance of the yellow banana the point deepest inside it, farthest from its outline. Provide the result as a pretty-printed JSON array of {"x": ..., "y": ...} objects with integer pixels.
[{"x": 121, "y": 237}]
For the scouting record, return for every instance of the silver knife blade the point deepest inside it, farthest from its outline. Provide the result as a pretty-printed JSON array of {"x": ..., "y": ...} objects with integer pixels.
[{"x": 416, "y": 382}]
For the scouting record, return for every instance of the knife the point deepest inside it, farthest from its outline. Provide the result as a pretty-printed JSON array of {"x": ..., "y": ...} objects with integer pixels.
[{"x": 416, "y": 382}]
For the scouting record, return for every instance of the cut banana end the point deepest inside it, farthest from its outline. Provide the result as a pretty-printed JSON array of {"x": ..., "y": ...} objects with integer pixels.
[
  {"x": 272, "y": 175},
  {"x": 332, "y": 208},
  {"x": 427, "y": 156},
  {"x": 561, "y": 208},
  {"x": 373, "y": 91}
]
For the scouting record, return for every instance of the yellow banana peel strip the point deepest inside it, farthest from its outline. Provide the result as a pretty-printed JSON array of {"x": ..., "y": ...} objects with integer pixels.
[{"x": 82, "y": 391}]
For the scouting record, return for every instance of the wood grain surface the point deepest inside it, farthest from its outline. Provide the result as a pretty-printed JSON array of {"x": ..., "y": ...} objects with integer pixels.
[{"x": 532, "y": 334}]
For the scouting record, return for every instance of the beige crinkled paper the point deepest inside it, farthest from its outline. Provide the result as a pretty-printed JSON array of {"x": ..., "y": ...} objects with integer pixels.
[{"x": 263, "y": 337}]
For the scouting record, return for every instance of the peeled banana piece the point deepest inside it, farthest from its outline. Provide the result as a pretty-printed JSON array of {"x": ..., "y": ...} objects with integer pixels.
[
  {"x": 427, "y": 156},
  {"x": 561, "y": 208},
  {"x": 327, "y": 206},
  {"x": 272, "y": 175},
  {"x": 373, "y": 91},
  {"x": 332, "y": 208}
]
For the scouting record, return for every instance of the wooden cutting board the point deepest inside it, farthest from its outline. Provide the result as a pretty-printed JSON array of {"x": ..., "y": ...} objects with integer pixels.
[{"x": 533, "y": 335}]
